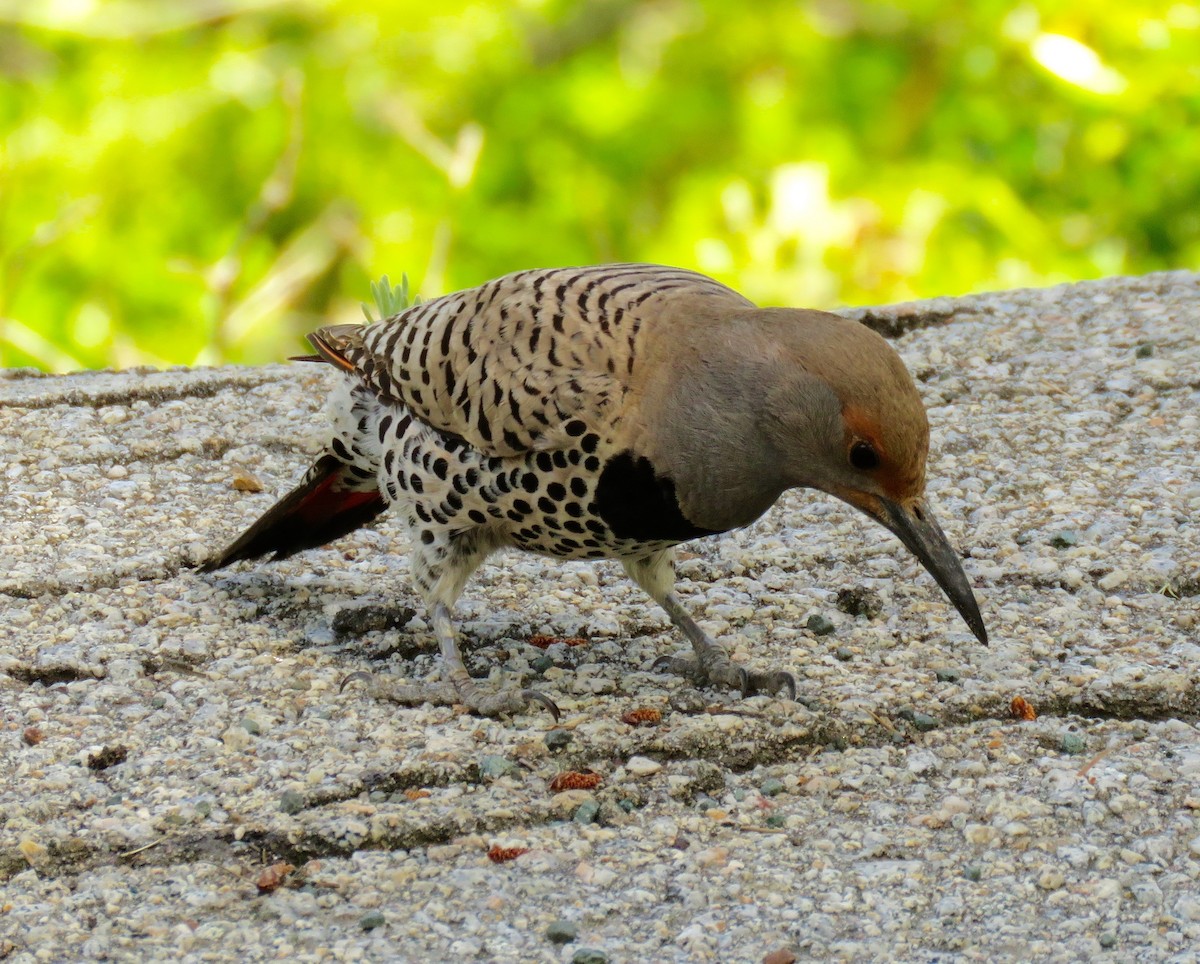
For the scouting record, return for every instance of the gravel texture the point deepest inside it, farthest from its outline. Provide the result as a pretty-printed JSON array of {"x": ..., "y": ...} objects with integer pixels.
[{"x": 183, "y": 778}]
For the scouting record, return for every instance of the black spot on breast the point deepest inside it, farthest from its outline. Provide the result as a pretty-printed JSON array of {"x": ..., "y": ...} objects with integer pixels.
[
  {"x": 557, "y": 491},
  {"x": 546, "y": 505},
  {"x": 544, "y": 462},
  {"x": 638, "y": 504},
  {"x": 529, "y": 482},
  {"x": 578, "y": 487}
]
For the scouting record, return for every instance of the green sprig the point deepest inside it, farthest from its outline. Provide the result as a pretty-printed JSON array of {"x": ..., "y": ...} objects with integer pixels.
[{"x": 390, "y": 299}]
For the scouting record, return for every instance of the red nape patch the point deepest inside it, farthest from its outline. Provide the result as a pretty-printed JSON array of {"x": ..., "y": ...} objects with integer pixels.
[{"x": 325, "y": 502}]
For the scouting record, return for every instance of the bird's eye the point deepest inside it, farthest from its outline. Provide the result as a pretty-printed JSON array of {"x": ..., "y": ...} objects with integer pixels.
[{"x": 863, "y": 457}]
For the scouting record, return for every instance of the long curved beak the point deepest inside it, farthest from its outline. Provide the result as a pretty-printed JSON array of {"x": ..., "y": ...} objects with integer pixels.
[{"x": 917, "y": 528}]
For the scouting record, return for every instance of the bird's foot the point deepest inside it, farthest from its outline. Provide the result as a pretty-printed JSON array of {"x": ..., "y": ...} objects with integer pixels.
[
  {"x": 480, "y": 700},
  {"x": 715, "y": 668}
]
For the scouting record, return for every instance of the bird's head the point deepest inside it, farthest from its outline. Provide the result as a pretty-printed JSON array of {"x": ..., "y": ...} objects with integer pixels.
[{"x": 844, "y": 416}]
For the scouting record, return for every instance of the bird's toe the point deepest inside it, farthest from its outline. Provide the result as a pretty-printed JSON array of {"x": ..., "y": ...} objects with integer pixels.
[
  {"x": 775, "y": 682},
  {"x": 712, "y": 672}
]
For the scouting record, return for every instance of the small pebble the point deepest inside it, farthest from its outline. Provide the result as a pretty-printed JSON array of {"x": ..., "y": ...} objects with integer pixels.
[
  {"x": 491, "y": 767},
  {"x": 360, "y": 620},
  {"x": 947, "y": 675},
  {"x": 371, "y": 920},
  {"x": 1065, "y": 539},
  {"x": 291, "y": 801},
  {"x": 771, "y": 787},
  {"x": 922, "y": 721},
  {"x": 973, "y": 872},
  {"x": 589, "y": 955},
  {"x": 844, "y": 653},
  {"x": 642, "y": 766},
  {"x": 587, "y": 812},
  {"x": 1108, "y": 939},
  {"x": 1072, "y": 743},
  {"x": 820, "y": 625},
  {"x": 860, "y": 601},
  {"x": 1051, "y": 879},
  {"x": 539, "y": 664},
  {"x": 562, "y": 932},
  {"x": 557, "y": 739}
]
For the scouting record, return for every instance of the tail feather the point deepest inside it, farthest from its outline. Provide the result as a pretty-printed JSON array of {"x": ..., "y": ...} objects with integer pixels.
[{"x": 317, "y": 511}]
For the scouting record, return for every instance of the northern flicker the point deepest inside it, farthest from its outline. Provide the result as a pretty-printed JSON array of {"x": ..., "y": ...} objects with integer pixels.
[{"x": 603, "y": 412}]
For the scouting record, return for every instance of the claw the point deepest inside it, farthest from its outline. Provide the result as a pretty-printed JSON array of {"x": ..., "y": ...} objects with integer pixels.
[
  {"x": 728, "y": 674},
  {"x": 356, "y": 677},
  {"x": 774, "y": 683},
  {"x": 662, "y": 663},
  {"x": 536, "y": 697}
]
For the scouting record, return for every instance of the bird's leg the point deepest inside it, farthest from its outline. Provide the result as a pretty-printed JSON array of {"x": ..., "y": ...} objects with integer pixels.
[
  {"x": 711, "y": 664},
  {"x": 456, "y": 687}
]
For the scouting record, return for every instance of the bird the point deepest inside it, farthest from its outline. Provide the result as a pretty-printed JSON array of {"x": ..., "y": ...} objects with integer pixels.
[{"x": 602, "y": 412}]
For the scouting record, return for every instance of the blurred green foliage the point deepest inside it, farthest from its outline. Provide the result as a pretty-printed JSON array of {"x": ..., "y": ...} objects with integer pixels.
[{"x": 199, "y": 181}]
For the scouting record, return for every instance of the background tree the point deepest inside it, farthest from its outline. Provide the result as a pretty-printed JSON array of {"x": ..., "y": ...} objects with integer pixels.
[{"x": 204, "y": 181}]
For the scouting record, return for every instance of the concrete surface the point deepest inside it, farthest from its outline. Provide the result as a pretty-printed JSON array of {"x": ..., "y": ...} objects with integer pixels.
[{"x": 170, "y": 739}]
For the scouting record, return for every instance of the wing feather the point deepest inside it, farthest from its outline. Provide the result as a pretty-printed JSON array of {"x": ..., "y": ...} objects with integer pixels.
[{"x": 511, "y": 365}]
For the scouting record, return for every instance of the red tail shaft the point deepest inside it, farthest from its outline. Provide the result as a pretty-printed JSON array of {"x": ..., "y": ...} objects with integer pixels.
[{"x": 317, "y": 511}]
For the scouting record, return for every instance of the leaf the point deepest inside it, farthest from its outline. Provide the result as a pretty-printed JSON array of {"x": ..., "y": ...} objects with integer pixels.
[{"x": 390, "y": 299}]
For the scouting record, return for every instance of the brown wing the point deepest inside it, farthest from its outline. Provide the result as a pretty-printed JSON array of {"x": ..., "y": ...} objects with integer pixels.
[{"x": 508, "y": 365}]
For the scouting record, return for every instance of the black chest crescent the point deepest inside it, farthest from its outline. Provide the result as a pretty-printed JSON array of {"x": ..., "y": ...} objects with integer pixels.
[{"x": 636, "y": 503}]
